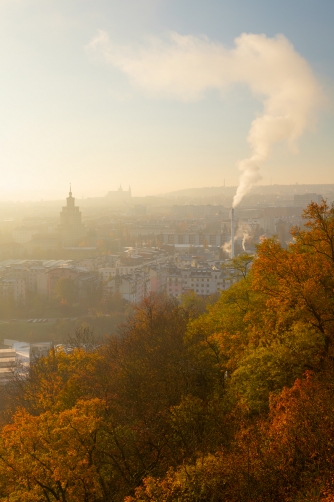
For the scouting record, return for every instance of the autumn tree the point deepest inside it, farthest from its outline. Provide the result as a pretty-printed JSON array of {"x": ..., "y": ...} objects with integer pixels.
[
  {"x": 299, "y": 280},
  {"x": 56, "y": 382},
  {"x": 53, "y": 456},
  {"x": 288, "y": 457}
]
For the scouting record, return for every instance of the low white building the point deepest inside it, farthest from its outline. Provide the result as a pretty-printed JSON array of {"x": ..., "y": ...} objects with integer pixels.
[
  {"x": 107, "y": 273},
  {"x": 7, "y": 365},
  {"x": 26, "y": 352}
]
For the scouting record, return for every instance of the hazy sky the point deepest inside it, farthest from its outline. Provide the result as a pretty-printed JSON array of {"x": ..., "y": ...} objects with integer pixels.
[{"x": 72, "y": 111}]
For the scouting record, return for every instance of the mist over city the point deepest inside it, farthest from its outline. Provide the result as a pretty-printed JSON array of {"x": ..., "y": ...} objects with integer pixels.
[{"x": 166, "y": 251}]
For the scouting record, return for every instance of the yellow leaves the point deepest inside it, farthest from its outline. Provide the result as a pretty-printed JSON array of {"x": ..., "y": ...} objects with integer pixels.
[
  {"x": 53, "y": 453},
  {"x": 300, "y": 280},
  {"x": 59, "y": 380}
]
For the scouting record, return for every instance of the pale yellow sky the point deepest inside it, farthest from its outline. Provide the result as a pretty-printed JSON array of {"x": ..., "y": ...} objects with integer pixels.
[{"x": 71, "y": 114}]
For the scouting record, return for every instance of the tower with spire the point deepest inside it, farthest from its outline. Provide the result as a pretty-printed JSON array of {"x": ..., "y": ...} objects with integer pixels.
[{"x": 71, "y": 227}]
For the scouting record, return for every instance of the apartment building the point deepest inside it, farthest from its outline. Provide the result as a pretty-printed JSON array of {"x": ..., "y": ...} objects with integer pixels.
[
  {"x": 134, "y": 288},
  {"x": 158, "y": 278},
  {"x": 13, "y": 288},
  {"x": 174, "y": 282},
  {"x": 107, "y": 273},
  {"x": 195, "y": 239},
  {"x": 38, "y": 276},
  {"x": 203, "y": 281}
]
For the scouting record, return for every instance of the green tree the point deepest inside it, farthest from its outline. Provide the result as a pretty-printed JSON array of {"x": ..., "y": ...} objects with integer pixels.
[
  {"x": 65, "y": 290},
  {"x": 267, "y": 369}
]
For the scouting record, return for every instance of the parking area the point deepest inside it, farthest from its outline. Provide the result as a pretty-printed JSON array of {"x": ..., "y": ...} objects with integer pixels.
[
  {"x": 37, "y": 320},
  {"x": 33, "y": 320}
]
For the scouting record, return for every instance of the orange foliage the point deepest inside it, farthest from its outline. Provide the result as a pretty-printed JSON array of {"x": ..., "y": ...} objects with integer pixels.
[
  {"x": 187, "y": 406},
  {"x": 299, "y": 281},
  {"x": 289, "y": 457}
]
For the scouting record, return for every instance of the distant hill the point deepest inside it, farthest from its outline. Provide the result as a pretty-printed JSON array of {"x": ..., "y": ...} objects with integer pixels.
[
  {"x": 202, "y": 192},
  {"x": 257, "y": 189}
]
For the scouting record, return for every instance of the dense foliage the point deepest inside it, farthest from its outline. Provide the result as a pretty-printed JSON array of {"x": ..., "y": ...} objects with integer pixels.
[{"x": 234, "y": 403}]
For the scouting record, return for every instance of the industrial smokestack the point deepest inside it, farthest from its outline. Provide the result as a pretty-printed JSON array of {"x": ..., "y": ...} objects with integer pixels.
[{"x": 232, "y": 233}]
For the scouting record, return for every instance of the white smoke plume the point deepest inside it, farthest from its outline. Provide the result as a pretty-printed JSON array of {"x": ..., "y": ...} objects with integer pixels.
[
  {"x": 244, "y": 238},
  {"x": 243, "y": 232},
  {"x": 184, "y": 67}
]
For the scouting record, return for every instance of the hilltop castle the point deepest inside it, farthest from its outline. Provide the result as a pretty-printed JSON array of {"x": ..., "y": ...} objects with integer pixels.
[{"x": 119, "y": 195}]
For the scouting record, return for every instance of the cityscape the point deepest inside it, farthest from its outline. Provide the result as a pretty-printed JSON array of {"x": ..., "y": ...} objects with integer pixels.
[
  {"x": 122, "y": 248},
  {"x": 135, "y": 249},
  {"x": 166, "y": 251}
]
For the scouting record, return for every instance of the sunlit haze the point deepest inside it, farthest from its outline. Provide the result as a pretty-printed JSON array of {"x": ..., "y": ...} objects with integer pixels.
[{"x": 164, "y": 95}]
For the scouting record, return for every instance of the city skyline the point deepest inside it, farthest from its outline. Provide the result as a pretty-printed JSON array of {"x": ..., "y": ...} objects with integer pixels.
[{"x": 67, "y": 114}]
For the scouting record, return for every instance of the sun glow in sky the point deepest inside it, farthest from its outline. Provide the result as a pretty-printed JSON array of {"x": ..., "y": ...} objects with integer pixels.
[{"x": 67, "y": 113}]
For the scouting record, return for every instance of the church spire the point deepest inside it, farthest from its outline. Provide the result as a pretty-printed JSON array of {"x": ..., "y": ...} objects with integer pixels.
[{"x": 70, "y": 199}]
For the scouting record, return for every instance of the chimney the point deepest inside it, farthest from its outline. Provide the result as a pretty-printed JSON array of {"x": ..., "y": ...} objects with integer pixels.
[{"x": 232, "y": 233}]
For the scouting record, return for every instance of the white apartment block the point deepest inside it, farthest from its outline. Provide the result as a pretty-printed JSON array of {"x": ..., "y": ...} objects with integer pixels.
[
  {"x": 18, "y": 277},
  {"x": 108, "y": 273},
  {"x": 158, "y": 278},
  {"x": 134, "y": 288},
  {"x": 195, "y": 239},
  {"x": 13, "y": 288},
  {"x": 154, "y": 267},
  {"x": 203, "y": 281},
  {"x": 36, "y": 280},
  {"x": 137, "y": 282}
]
